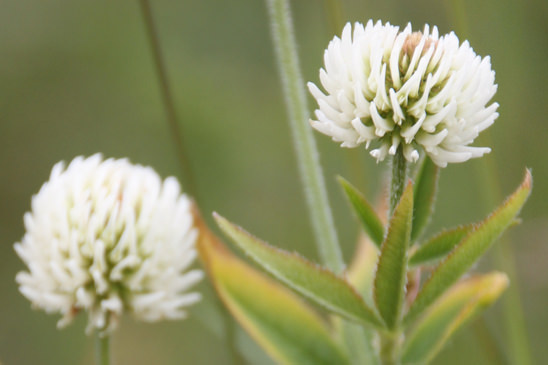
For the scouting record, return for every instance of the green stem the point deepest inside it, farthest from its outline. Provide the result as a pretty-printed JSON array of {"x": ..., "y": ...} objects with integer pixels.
[
  {"x": 102, "y": 350},
  {"x": 488, "y": 343},
  {"x": 178, "y": 140},
  {"x": 389, "y": 340},
  {"x": 399, "y": 177},
  {"x": 388, "y": 347},
  {"x": 305, "y": 145},
  {"x": 457, "y": 12},
  {"x": 167, "y": 97},
  {"x": 333, "y": 9}
]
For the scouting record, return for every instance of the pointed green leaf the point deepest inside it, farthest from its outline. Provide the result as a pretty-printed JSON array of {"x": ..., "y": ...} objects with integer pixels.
[
  {"x": 426, "y": 185},
  {"x": 316, "y": 283},
  {"x": 364, "y": 211},
  {"x": 391, "y": 273},
  {"x": 470, "y": 249},
  {"x": 439, "y": 246},
  {"x": 462, "y": 302},
  {"x": 278, "y": 320}
]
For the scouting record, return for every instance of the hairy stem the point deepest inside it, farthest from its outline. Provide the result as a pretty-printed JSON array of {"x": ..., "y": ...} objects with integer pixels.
[
  {"x": 305, "y": 145},
  {"x": 399, "y": 177}
]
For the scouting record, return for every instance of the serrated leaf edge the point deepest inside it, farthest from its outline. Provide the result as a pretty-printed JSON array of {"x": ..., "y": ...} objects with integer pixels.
[
  {"x": 525, "y": 185},
  {"x": 374, "y": 320},
  {"x": 431, "y": 199},
  {"x": 370, "y": 229},
  {"x": 407, "y": 197},
  {"x": 437, "y": 236}
]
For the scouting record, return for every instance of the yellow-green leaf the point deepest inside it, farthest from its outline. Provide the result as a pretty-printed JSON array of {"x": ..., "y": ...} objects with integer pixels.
[
  {"x": 450, "y": 312},
  {"x": 426, "y": 185},
  {"x": 439, "y": 246},
  {"x": 312, "y": 281},
  {"x": 390, "y": 279},
  {"x": 288, "y": 329},
  {"x": 470, "y": 249},
  {"x": 364, "y": 211}
]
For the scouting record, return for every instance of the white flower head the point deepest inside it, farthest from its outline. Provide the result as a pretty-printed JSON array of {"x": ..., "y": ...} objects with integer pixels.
[
  {"x": 389, "y": 88},
  {"x": 109, "y": 237}
]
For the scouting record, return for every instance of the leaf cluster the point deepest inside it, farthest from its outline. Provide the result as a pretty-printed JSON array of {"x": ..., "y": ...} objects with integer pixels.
[{"x": 380, "y": 295}]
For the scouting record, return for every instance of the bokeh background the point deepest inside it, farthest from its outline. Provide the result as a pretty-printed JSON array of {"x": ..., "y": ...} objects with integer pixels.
[{"x": 77, "y": 77}]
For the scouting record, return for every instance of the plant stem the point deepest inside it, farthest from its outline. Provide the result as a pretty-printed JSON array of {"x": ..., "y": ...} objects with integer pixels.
[
  {"x": 488, "y": 343},
  {"x": 389, "y": 340},
  {"x": 178, "y": 140},
  {"x": 303, "y": 139},
  {"x": 399, "y": 177},
  {"x": 102, "y": 350},
  {"x": 333, "y": 9},
  {"x": 167, "y": 97},
  {"x": 389, "y": 344}
]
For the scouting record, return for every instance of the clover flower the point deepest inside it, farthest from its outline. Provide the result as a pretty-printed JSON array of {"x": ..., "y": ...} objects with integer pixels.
[
  {"x": 391, "y": 88},
  {"x": 109, "y": 237}
]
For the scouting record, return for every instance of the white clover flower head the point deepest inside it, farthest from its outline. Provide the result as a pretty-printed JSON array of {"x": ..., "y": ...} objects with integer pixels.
[
  {"x": 389, "y": 88},
  {"x": 109, "y": 237}
]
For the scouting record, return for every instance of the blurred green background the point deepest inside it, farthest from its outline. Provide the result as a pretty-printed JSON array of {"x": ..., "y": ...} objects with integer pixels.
[{"x": 77, "y": 77}]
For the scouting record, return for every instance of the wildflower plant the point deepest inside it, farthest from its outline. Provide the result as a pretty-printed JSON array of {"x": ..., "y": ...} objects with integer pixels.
[
  {"x": 108, "y": 237},
  {"x": 420, "y": 99}
]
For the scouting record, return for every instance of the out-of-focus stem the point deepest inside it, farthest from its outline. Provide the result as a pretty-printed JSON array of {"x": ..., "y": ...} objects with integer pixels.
[
  {"x": 167, "y": 98},
  {"x": 102, "y": 350},
  {"x": 178, "y": 140},
  {"x": 305, "y": 145},
  {"x": 333, "y": 9},
  {"x": 388, "y": 347},
  {"x": 488, "y": 343}
]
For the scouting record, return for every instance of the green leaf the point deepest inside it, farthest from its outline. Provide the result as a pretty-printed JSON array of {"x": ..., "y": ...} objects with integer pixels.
[
  {"x": 364, "y": 211},
  {"x": 439, "y": 246},
  {"x": 389, "y": 289},
  {"x": 426, "y": 185},
  {"x": 461, "y": 303},
  {"x": 470, "y": 249},
  {"x": 316, "y": 283},
  {"x": 288, "y": 329}
]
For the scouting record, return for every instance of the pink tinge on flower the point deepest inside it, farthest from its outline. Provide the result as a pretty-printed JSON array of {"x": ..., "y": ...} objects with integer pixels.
[{"x": 387, "y": 88}]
